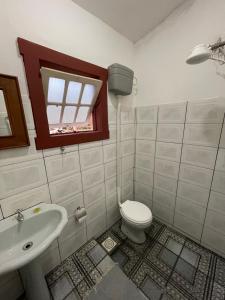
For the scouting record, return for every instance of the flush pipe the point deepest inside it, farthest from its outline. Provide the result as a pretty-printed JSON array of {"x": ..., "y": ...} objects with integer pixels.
[{"x": 118, "y": 153}]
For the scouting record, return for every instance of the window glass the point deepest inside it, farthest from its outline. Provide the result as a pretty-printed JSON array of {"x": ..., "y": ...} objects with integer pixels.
[
  {"x": 88, "y": 94},
  {"x": 73, "y": 92},
  {"x": 53, "y": 113},
  {"x": 82, "y": 114},
  {"x": 56, "y": 89},
  {"x": 69, "y": 114}
]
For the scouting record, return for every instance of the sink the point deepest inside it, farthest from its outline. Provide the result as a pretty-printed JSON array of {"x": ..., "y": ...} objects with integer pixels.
[{"x": 23, "y": 242}]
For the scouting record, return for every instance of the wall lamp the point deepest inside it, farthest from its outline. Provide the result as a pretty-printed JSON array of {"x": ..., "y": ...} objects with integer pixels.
[{"x": 203, "y": 52}]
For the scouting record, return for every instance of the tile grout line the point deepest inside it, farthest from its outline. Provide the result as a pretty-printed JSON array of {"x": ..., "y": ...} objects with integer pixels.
[{"x": 154, "y": 156}]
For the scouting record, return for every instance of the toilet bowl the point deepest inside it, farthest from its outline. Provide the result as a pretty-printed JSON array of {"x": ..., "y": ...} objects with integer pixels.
[{"x": 136, "y": 217}]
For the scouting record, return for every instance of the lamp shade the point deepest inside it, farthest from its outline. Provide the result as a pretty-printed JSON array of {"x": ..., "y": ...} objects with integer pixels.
[{"x": 199, "y": 54}]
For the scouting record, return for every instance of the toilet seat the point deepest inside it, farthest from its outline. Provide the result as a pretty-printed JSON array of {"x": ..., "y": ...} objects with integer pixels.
[{"x": 136, "y": 212}]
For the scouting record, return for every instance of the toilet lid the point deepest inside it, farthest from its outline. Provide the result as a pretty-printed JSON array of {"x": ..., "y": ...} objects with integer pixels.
[{"x": 136, "y": 212}]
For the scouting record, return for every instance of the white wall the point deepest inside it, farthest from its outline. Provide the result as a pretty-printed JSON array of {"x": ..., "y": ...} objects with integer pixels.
[
  {"x": 163, "y": 75},
  {"x": 45, "y": 175}
]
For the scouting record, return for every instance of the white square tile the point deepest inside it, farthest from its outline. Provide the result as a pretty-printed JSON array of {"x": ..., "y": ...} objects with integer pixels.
[
  {"x": 25, "y": 200},
  {"x": 110, "y": 169},
  {"x": 220, "y": 161},
  {"x": 163, "y": 198},
  {"x": 193, "y": 192},
  {"x": 172, "y": 113},
  {"x": 145, "y": 147},
  {"x": 110, "y": 186},
  {"x": 72, "y": 227},
  {"x": 92, "y": 177},
  {"x": 111, "y": 114},
  {"x": 168, "y": 151},
  {"x": 187, "y": 225},
  {"x": 63, "y": 189},
  {"x": 206, "y": 111},
  {"x": 165, "y": 183},
  {"x": 172, "y": 133},
  {"x": 109, "y": 152},
  {"x": 127, "y": 116},
  {"x": 144, "y": 162},
  {"x": 127, "y": 162},
  {"x": 1, "y": 216},
  {"x": 147, "y": 114},
  {"x": 60, "y": 166},
  {"x": 144, "y": 176},
  {"x": 167, "y": 168},
  {"x": 73, "y": 203},
  {"x": 90, "y": 145},
  {"x": 111, "y": 201},
  {"x": 215, "y": 221},
  {"x": 146, "y": 131},
  {"x": 147, "y": 202},
  {"x": 218, "y": 182},
  {"x": 222, "y": 138},
  {"x": 94, "y": 194},
  {"x": 18, "y": 178},
  {"x": 127, "y": 132},
  {"x": 50, "y": 259},
  {"x": 127, "y": 176},
  {"x": 112, "y": 136},
  {"x": 199, "y": 156},
  {"x": 95, "y": 210},
  {"x": 196, "y": 175},
  {"x": 127, "y": 147},
  {"x": 212, "y": 239},
  {"x": 59, "y": 150},
  {"x": 90, "y": 158},
  {"x": 113, "y": 215},
  {"x": 96, "y": 227},
  {"x": 217, "y": 202},
  {"x": 143, "y": 191},
  {"x": 127, "y": 191},
  {"x": 202, "y": 134},
  {"x": 190, "y": 210},
  {"x": 164, "y": 213}
]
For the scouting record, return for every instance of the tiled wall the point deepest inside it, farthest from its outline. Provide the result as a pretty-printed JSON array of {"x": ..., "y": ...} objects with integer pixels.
[
  {"x": 84, "y": 175},
  {"x": 180, "y": 167}
]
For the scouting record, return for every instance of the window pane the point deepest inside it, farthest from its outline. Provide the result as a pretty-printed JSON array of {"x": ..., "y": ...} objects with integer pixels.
[
  {"x": 55, "y": 89},
  {"x": 88, "y": 94},
  {"x": 53, "y": 113},
  {"x": 73, "y": 92},
  {"x": 69, "y": 114},
  {"x": 82, "y": 114}
]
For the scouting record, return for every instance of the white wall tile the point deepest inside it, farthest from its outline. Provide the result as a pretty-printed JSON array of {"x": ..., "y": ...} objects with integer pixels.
[
  {"x": 94, "y": 194},
  {"x": 202, "y": 134},
  {"x": 215, "y": 221},
  {"x": 196, "y": 175},
  {"x": 168, "y": 151},
  {"x": 110, "y": 186},
  {"x": 127, "y": 147},
  {"x": 167, "y": 168},
  {"x": 199, "y": 156},
  {"x": 222, "y": 138},
  {"x": 163, "y": 198},
  {"x": 63, "y": 189},
  {"x": 127, "y": 162},
  {"x": 11, "y": 289},
  {"x": 146, "y": 131},
  {"x": 110, "y": 169},
  {"x": 220, "y": 161},
  {"x": 60, "y": 166},
  {"x": 90, "y": 158},
  {"x": 96, "y": 210},
  {"x": 73, "y": 203},
  {"x": 143, "y": 191},
  {"x": 127, "y": 191},
  {"x": 144, "y": 176},
  {"x": 72, "y": 227},
  {"x": 147, "y": 202},
  {"x": 187, "y": 225},
  {"x": 17, "y": 178},
  {"x": 58, "y": 150},
  {"x": 109, "y": 152},
  {"x": 172, "y": 133},
  {"x": 218, "y": 182},
  {"x": 207, "y": 111},
  {"x": 165, "y": 183},
  {"x": 112, "y": 136},
  {"x": 127, "y": 176},
  {"x": 127, "y": 132},
  {"x": 113, "y": 215},
  {"x": 111, "y": 114},
  {"x": 25, "y": 200},
  {"x": 90, "y": 145},
  {"x": 96, "y": 227},
  {"x": 193, "y": 192},
  {"x": 172, "y": 113},
  {"x": 49, "y": 259},
  {"x": 1, "y": 216},
  {"x": 190, "y": 210},
  {"x": 213, "y": 240},
  {"x": 145, "y": 147},
  {"x": 127, "y": 116},
  {"x": 92, "y": 177},
  {"x": 147, "y": 114},
  {"x": 164, "y": 213},
  {"x": 111, "y": 201},
  {"x": 217, "y": 202},
  {"x": 144, "y": 162}
]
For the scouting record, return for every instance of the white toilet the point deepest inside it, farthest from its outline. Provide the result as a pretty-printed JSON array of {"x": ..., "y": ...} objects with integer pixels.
[{"x": 136, "y": 217}]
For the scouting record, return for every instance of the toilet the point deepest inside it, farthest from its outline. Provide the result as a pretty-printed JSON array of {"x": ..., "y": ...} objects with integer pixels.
[{"x": 136, "y": 217}]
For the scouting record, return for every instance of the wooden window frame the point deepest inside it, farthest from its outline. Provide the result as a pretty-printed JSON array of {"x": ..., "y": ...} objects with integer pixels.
[{"x": 35, "y": 57}]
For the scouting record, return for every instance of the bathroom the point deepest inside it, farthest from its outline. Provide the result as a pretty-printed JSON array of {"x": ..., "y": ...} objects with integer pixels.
[{"x": 161, "y": 145}]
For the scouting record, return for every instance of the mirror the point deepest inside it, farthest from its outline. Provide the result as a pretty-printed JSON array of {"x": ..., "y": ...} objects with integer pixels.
[
  {"x": 5, "y": 128},
  {"x": 13, "y": 130}
]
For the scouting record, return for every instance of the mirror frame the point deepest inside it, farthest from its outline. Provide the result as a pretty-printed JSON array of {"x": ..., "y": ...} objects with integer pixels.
[{"x": 19, "y": 137}]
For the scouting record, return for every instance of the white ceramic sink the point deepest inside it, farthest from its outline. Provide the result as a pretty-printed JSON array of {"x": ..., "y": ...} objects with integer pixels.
[{"x": 41, "y": 226}]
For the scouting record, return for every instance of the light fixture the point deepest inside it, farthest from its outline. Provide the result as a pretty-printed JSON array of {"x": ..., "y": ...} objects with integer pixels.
[{"x": 203, "y": 52}]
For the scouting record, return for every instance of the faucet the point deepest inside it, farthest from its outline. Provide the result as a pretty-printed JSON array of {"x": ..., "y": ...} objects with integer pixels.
[{"x": 20, "y": 216}]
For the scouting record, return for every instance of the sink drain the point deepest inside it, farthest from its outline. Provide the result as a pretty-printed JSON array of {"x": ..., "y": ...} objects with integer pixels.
[{"x": 27, "y": 246}]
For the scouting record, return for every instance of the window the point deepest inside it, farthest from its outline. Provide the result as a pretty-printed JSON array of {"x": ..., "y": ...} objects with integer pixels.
[
  {"x": 70, "y": 100},
  {"x": 68, "y": 97}
]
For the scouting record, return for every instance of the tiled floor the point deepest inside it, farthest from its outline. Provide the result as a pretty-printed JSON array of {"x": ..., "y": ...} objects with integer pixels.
[{"x": 167, "y": 266}]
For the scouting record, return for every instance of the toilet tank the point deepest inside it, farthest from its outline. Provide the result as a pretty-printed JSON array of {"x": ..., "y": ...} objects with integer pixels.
[{"x": 120, "y": 80}]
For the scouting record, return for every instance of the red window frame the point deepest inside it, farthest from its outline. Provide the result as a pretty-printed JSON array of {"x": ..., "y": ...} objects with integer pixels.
[{"x": 36, "y": 56}]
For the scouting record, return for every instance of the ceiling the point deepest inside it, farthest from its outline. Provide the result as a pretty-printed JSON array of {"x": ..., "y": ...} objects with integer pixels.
[{"x": 132, "y": 18}]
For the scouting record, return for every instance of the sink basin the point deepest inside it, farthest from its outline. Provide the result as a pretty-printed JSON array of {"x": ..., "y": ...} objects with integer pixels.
[{"x": 21, "y": 242}]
